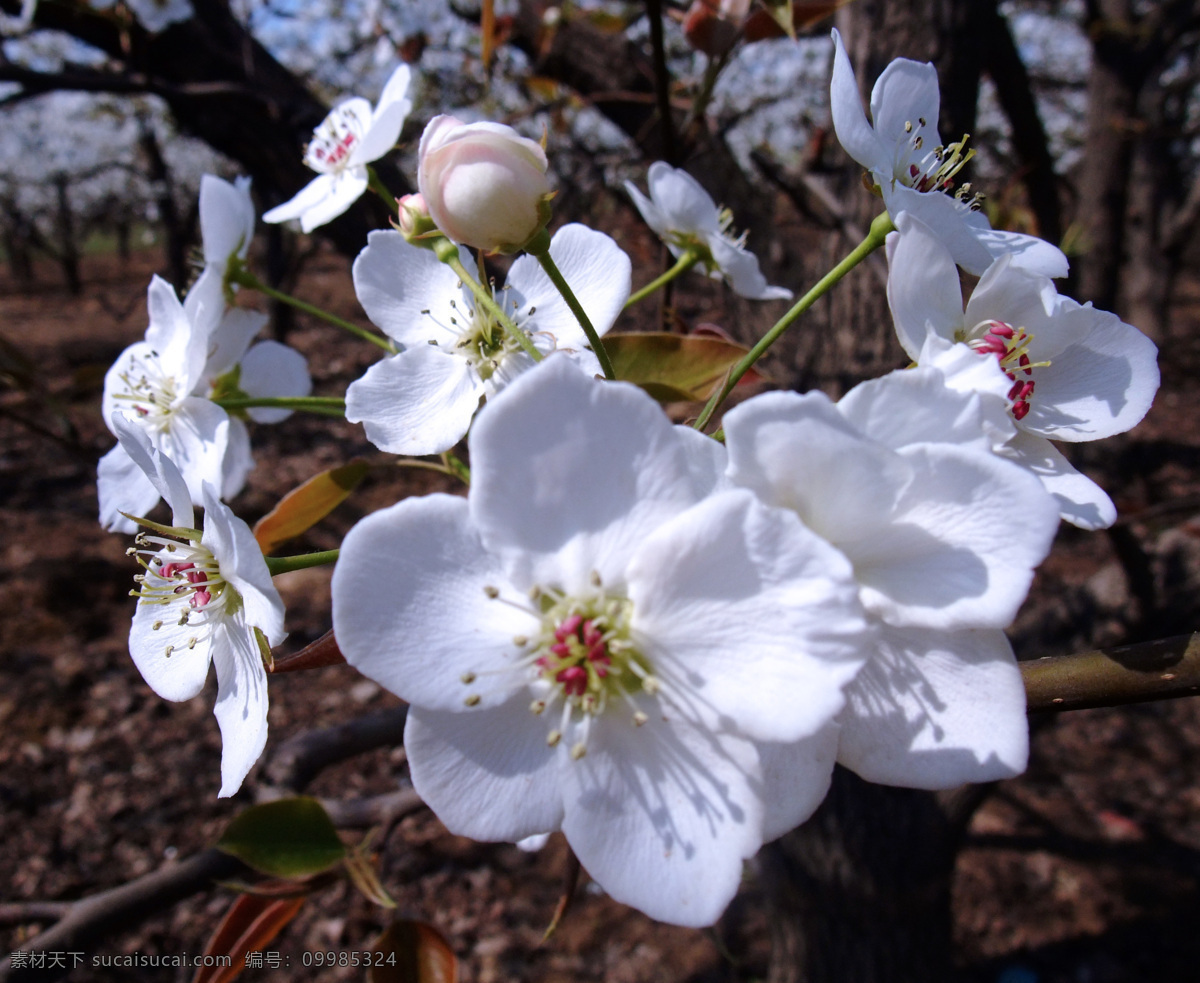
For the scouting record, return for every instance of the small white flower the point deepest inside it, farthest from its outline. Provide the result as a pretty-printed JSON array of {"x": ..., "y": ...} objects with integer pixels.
[
  {"x": 905, "y": 157},
  {"x": 684, "y": 216},
  {"x": 166, "y": 384},
  {"x": 593, "y": 642},
  {"x": 422, "y": 400},
  {"x": 201, "y": 599},
  {"x": 484, "y": 184},
  {"x": 350, "y": 137},
  {"x": 1067, "y": 371},
  {"x": 943, "y": 538}
]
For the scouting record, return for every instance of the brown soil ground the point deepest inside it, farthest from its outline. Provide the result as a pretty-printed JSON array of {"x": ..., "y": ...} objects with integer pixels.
[{"x": 1085, "y": 870}]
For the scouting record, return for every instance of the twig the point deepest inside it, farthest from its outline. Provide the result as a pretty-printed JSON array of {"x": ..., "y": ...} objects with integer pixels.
[
  {"x": 19, "y": 913},
  {"x": 1159, "y": 670},
  {"x": 376, "y": 810},
  {"x": 298, "y": 760}
]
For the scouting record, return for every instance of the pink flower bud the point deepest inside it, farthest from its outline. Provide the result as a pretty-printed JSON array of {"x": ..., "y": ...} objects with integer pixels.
[
  {"x": 483, "y": 183},
  {"x": 413, "y": 219}
]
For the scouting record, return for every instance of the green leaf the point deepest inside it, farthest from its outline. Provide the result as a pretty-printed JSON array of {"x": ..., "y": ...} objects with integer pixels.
[
  {"x": 303, "y": 507},
  {"x": 413, "y": 952},
  {"x": 672, "y": 367},
  {"x": 287, "y": 838}
]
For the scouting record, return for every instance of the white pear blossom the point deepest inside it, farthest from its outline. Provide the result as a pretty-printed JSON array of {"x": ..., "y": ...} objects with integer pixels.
[
  {"x": 203, "y": 598},
  {"x": 943, "y": 538},
  {"x": 1067, "y": 371},
  {"x": 421, "y": 401},
  {"x": 684, "y": 216},
  {"x": 596, "y": 639},
  {"x": 915, "y": 172},
  {"x": 352, "y": 136},
  {"x": 166, "y": 384}
]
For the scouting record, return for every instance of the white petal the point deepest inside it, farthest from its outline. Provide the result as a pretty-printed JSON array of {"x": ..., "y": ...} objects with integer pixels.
[
  {"x": 596, "y": 269},
  {"x": 1028, "y": 252},
  {"x": 241, "y": 708},
  {"x": 181, "y": 674},
  {"x": 912, "y": 406},
  {"x": 707, "y": 460},
  {"x": 272, "y": 369},
  {"x": 923, "y": 287},
  {"x": 686, "y": 206},
  {"x": 663, "y": 816},
  {"x": 182, "y": 343},
  {"x": 418, "y": 402},
  {"x": 740, "y": 267},
  {"x": 569, "y": 475},
  {"x": 962, "y": 545},
  {"x": 905, "y": 94},
  {"x": 311, "y": 195},
  {"x": 934, "y": 710},
  {"x": 387, "y": 118},
  {"x": 951, "y": 221},
  {"x": 122, "y": 486},
  {"x": 796, "y": 777},
  {"x": 347, "y": 188},
  {"x": 196, "y": 442},
  {"x": 397, "y": 282},
  {"x": 239, "y": 461},
  {"x": 410, "y": 608},
  {"x": 1081, "y": 501},
  {"x": 850, "y": 124},
  {"x": 488, "y": 774},
  {"x": 231, "y": 339},
  {"x": 1101, "y": 385},
  {"x": 226, "y": 219},
  {"x": 653, "y": 215},
  {"x": 157, "y": 469},
  {"x": 741, "y": 608},
  {"x": 800, "y": 453},
  {"x": 241, "y": 561}
]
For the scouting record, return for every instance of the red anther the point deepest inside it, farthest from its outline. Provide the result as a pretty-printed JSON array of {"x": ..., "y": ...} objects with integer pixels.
[
  {"x": 542, "y": 662},
  {"x": 1013, "y": 392},
  {"x": 574, "y": 680},
  {"x": 913, "y": 170},
  {"x": 561, "y": 649},
  {"x": 599, "y": 653},
  {"x": 1023, "y": 361},
  {"x": 1000, "y": 329},
  {"x": 200, "y": 598},
  {"x": 591, "y": 635},
  {"x": 197, "y": 576},
  {"x": 1019, "y": 410},
  {"x": 170, "y": 569},
  {"x": 568, "y": 627},
  {"x": 1026, "y": 391},
  {"x": 348, "y": 140}
]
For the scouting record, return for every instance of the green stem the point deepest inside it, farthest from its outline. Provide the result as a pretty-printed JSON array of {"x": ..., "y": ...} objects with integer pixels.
[
  {"x": 323, "y": 405},
  {"x": 685, "y": 262},
  {"x": 455, "y": 466},
  {"x": 540, "y": 248},
  {"x": 880, "y": 228},
  {"x": 447, "y": 252},
  {"x": 247, "y": 279},
  {"x": 285, "y": 564},
  {"x": 375, "y": 183}
]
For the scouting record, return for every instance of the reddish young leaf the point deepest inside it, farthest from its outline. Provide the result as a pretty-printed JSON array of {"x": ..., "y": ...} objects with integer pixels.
[
  {"x": 250, "y": 923},
  {"x": 303, "y": 507},
  {"x": 323, "y": 652},
  {"x": 414, "y": 952}
]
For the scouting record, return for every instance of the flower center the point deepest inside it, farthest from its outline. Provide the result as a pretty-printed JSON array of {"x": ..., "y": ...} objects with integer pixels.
[
  {"x": 150, "y": 390},
  {"x": 335, "y": 139},
  {"x": 184, "y": 579},
  {"x": 481, "y": 339},
  {"x": 1011, "y": 347},
  {"x": 935, "y": 169},
  {"x": 582, "y": 659}
]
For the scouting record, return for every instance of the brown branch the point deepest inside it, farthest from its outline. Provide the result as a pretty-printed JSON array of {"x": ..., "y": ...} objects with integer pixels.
[
  {"x": 1159, "y": 670},
  {"x": 297, "y": 761}
]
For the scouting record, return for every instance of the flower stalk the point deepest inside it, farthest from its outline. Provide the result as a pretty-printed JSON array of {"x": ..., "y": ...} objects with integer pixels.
[
  {"x": 322, "y": 405},
  {"x": 539, "y": 248},
  {"x": 876, "y": 237},
  {"x": 286, "y": 564},
  {"x": 245, "y": 278},
  {"x": 685, "y": 262}
]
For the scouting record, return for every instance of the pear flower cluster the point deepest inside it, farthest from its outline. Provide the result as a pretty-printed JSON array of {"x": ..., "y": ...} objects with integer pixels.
[{"x": 655, "y": 642}]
